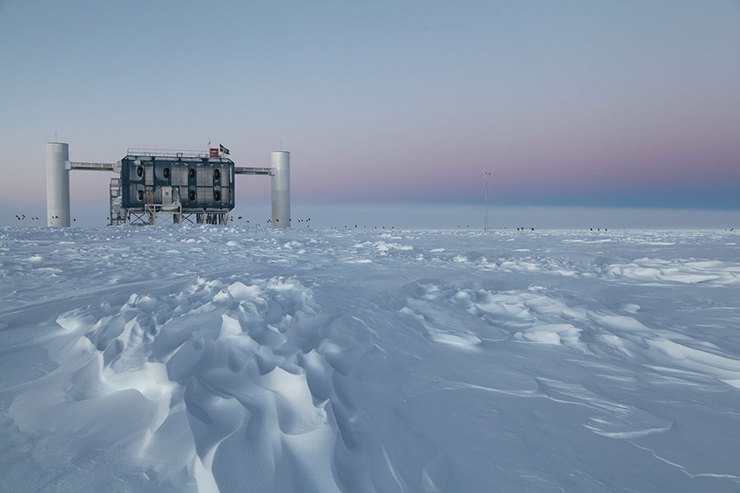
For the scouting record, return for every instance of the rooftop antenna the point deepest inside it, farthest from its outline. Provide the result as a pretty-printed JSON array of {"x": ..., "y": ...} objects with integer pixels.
[{"x": 486, "y": 174}]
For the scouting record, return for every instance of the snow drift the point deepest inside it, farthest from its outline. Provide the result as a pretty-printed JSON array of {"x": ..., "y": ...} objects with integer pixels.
[{"x": 232, "y": 359}]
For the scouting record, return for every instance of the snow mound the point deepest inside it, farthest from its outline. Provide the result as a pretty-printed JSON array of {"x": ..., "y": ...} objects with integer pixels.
[
  {"x": 687, "y": 271},
  {"x": 194, "y": 373}
]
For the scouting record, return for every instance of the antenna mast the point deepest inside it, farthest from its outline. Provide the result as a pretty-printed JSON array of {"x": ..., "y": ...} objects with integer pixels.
[{"x": 486, "y": 174}]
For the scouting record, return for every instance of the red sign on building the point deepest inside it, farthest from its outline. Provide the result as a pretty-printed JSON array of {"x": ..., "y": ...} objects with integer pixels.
[{"x": 214, "y": 152}]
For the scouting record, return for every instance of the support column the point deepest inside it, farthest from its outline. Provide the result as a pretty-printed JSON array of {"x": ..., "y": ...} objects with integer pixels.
[
  {"x": 281, "y": 189},
  {"x": 57, "y": 184}
]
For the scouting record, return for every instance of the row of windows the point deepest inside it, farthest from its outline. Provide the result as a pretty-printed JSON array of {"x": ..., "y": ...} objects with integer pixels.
[
  {"x": 204, "y": 178},
  {"x": 204, "y": 195}
]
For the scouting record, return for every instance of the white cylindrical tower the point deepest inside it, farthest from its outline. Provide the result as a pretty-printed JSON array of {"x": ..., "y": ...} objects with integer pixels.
[
  {"x": 281, "y": 189},
  {"x": 57, "y": 184}
]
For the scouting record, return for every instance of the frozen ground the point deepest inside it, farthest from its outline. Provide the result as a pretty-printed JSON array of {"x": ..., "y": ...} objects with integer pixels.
[{"x": 208, "y": 358}]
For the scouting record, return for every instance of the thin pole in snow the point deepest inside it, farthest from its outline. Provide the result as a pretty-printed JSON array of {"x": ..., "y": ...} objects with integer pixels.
[{"x": 486, "y": 174}]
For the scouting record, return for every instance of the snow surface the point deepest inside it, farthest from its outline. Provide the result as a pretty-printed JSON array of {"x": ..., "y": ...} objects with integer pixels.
[{"x": 249, "y": 359}]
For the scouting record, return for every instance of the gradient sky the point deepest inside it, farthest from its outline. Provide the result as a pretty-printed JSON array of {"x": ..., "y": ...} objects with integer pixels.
[{"x": 596, "y": 103}]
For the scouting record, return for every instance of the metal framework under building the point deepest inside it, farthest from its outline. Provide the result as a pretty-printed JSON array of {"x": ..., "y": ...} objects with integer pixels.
[{"x": 191, "y": 186}]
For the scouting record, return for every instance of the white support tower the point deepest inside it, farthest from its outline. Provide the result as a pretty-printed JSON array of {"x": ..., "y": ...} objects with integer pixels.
[
  {"x": 57, "y": 184},
  {"x": 280, "y": 189}
]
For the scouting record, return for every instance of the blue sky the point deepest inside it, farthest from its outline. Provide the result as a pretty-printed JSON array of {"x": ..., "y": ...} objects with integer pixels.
[{"x": 609, "y": 103}]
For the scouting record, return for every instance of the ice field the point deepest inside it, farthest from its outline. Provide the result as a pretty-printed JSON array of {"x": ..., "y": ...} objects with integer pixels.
[{"x": 205, "y": 358}]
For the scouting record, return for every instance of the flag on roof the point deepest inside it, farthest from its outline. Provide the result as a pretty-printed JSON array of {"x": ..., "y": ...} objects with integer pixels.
[{"x": 223, "y": 149}]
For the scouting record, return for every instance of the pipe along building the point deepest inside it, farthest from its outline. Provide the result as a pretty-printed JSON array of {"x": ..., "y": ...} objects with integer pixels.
[{"x": 190, "y": 185}]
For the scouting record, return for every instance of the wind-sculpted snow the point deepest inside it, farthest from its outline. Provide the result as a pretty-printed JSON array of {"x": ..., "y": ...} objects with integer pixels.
[{"x": 231, "y": 359}]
